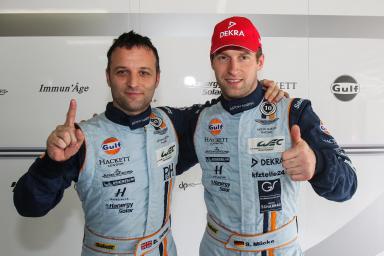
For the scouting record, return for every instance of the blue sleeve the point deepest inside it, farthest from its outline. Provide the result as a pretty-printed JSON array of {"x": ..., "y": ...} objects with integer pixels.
[
  {"x": 184, "y": 121},
  {"x": 42, "y": 187},
  {"x": 335, "y": 178}
]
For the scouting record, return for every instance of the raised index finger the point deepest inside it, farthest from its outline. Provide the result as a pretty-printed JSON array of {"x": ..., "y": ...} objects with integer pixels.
[{"x": 71, "y": 114}]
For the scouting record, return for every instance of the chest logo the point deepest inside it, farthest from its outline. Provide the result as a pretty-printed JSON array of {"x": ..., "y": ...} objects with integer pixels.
[
  {"x": 266, "y": 145},
  {"x": 165, "y": 154},
  {"x": 157, "y": 123},
  {"x": 215, "y": 126},
  {"x": 111, "y": 146},
  {"x": 267, "y": 108}
]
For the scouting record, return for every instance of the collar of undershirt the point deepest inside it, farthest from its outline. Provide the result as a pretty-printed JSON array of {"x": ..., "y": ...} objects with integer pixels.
[
  {"x": 117, "y": 116},
  {"x": 248, "y": 102}
]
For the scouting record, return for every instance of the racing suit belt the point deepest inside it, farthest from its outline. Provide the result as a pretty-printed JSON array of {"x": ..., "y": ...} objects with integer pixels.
[
  {"x": 253, "y": 242},
  {"x": 125, "y": 246}
]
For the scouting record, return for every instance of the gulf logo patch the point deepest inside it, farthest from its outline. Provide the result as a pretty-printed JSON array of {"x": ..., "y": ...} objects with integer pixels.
[
  {"x": 215, "y": 126},
  {"x": 111, "y": 146}
]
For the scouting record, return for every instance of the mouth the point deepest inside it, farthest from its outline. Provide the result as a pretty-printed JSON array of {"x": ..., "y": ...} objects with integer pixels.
[
  {"x": 233, "y": 81},
  {"x": 133, "y": 93}
]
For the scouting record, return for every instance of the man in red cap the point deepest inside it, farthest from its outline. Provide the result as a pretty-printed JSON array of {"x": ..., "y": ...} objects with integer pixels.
[{"x": 254, "y": 154}]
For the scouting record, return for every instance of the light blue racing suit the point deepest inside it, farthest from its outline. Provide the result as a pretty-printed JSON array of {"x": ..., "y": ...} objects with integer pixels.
[
  {"x": 124, "y": 174},
  {"x": 251, "y": 201},
  {"x": 125, "y": 186}
]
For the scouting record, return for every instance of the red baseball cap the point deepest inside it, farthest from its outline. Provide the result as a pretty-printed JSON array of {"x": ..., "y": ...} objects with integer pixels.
[{"x": 235, "y": 31}]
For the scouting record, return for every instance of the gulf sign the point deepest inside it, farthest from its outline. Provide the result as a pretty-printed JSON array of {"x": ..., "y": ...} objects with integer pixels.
[
  {"x": 111, "y": 146},
  {"x": 215, "y": 126}
]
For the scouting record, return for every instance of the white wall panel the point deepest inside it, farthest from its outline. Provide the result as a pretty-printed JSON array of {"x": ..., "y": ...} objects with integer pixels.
[
  {"x": 320, "y": 218},
  {"x": 69, "y": 63},
  {"x": 356, "y": 121},
  {"x": 345, "y": 7},
  {"x": 70, "y": 6},
  {"x": 286, "y": 61},
  {"x": 226, "y": 6},
  {"x": 160, "y": 6}
]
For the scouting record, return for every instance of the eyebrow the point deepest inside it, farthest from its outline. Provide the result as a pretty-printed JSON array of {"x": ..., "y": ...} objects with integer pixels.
[{"x": 141, "y": 68}]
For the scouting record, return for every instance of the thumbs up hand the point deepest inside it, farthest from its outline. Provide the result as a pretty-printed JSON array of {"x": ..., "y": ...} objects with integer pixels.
[
  {"x": 65, "y": 140},
  {"x": 299, "y": 161}
]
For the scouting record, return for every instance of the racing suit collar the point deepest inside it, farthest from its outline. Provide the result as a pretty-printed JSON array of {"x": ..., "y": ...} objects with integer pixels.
[
  {"x": 248, "y": 102},
  {"x": 117, "y": 116}
]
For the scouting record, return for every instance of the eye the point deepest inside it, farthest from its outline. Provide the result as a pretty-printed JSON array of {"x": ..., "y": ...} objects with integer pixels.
[
  {"x": 144, "y": 73},
  {"x": 222, "y": 58},
  {"x": 245, "y": 57},
  {"x": 121, "y": 72}
]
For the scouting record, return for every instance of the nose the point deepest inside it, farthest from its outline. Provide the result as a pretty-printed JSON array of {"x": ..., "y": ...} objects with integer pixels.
[
  {"x": 233, "y": 67},
  {"x": 132, "y": 81}
]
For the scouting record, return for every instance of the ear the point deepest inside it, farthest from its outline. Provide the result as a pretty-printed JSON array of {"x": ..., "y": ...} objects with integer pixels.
[
  {"x": 211, "y": 57},
  {"x": 107, "y": 77},
  {"x": 260, "y": 62},
  {"x": 157, "y": 79}
]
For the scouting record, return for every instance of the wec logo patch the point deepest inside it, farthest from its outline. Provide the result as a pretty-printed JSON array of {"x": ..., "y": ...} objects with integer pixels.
[{"x": 266, "y": 145}]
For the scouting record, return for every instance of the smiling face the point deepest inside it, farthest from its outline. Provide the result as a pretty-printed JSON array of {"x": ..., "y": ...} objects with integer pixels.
[
  {"x": 133, "y": 78},
  {"x": 236, "y": 71}
]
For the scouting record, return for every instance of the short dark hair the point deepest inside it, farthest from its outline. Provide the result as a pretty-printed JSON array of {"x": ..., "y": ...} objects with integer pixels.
[{"x": 130, "y": 40}]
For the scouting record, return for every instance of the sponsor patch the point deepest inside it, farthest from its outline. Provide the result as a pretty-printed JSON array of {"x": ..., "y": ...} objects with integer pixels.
[
  {"x": 118, "y": 182},
  {"x": 266, "y": 161},
  {"x": 146, "y": 245},
  {"x": 231, "y": 32},
  {"x": 216, "y": 150},
  {"x": 121, "y": 207},
  {"x": 266, "y": 130},
  {"x": 116, "y": 173},
  {"x": 169, "y": 172},
  {"x": 298, "y": 103},
  {"x": 217, "y": 159},
  {"x": 114, "y": 161},
  {"x": 111, "y": 146},
  {"x": 266, "y": 121},
  {"x": 215, "y": 126},
  {"x": 165, "y": 154},
  {"x": 329, "y": 140},
  {"x": 215, "y": 141},
  {"x": 269, "y": 195},
  {"x": 239, "y": 244},
  {"x": 105, "y": 246},
  {"x": 212, "y": 228},
  {"x": 267, "y": 108},
  {"x": 222, "y": 186},
  {"x": 266, "y": 145},
  {"x": 269, "y": 174},
  {"x": 158, "y": 124}
]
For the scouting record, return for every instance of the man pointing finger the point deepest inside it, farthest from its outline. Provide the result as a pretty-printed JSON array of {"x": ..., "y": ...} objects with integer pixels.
[{"x": 66, "y": 140}]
